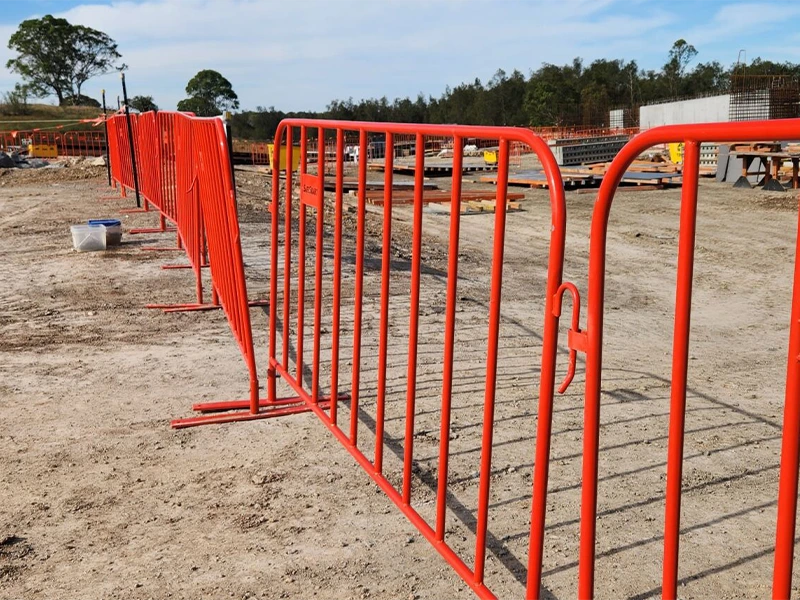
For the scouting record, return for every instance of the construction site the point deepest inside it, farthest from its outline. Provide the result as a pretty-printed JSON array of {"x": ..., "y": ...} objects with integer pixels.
[{"x": 395, "y": 360}]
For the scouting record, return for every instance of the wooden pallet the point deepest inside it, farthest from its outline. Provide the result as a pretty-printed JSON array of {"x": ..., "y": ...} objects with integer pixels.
[
  {"x": 537, "y": 179},
  {"x": 437, "y": 196},
  {"x": 430, "y": 170},
  {"x": 471, "y": 207},
  {"x": 640, "y": 173},
  {"x": 351, "y": 185}
]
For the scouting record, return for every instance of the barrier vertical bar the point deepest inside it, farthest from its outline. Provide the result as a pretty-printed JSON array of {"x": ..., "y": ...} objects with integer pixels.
[
  {"x": 790, "y": 450},
  {"x": 301, "y": 258},
  {"x": 449, "y": 336},
  {"x": 337, "y": 273},
  {"x": 680, "y": 361},
  {"x": 320, "y": 225},
  {"x": 491, "y": 360},
  {"x": 545, "y": 412},
  {"x": 272, "y": 376},
  {"x": 359, "y": 284},
  {"x": 386, "y": 261},
  {"x": 287, "y": 243},
  {"x": 413, "y": 335}
]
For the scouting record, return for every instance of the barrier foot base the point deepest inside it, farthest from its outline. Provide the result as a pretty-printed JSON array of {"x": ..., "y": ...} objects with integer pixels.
[
  {"x": 159, "y": 249},
  {"x": 129, "y": 211},
  {"x": 181, "y": 266},
  {"x": 209, "y": 407},
  {"x": 171, "y": 308},
  {"x": 151, "y": 229},
  {"x": 267, "y": 410},
  {"x": 183, "y": 307}
]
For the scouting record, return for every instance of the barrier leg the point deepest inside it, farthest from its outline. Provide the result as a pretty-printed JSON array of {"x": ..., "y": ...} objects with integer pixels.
[
  {"x": 162, "y": 226},
  {"x": 144, "y": 209},
  {"x": 680, "y": 361},
  {"x": 790, "y": 453}
]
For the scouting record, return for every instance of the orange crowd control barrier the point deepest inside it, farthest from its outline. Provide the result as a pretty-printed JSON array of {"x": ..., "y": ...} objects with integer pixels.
[
  {"x": 203, "y": 180},
  {"x": 289, "y": 277},
  {"x": 591, "y": 342},
  {"x": 124, "y": 152},
  {"x": 165, "y": 145},
  {"x": 67, "y": 143},
  {"x": 202, "y": 145},
  {"x": 185, "y": 172}
]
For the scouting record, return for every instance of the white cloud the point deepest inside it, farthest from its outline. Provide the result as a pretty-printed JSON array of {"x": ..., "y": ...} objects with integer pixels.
[
  {"x": 7, "y": 79},
  {"x": 348, "y": 47},
  {"x": 741, "y": 18},
  {"x": 300, "y": 54}
]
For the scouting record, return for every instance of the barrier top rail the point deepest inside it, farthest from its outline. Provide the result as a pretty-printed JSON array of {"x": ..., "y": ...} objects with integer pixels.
[{"x": 692, "y": 136}]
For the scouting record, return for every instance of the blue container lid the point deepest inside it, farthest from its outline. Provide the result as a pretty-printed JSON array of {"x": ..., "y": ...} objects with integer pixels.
[{"x": 106, "y": 222}]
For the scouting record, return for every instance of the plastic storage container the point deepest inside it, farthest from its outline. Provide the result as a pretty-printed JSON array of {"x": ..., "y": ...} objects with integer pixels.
[
  {"x": 86, "y": 238},
  {"x": 113, "y": 230}
]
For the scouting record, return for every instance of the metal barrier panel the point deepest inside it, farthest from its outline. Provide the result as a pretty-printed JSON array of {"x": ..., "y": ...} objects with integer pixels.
[
  {"x": 69, "y": 143},
  {"x": 309, "y": 237},
  {"x": 214, "y": 180},
  {"x": 114, "y": 156},
  {"x": 165, "y": 142},
  {"x": 186, "y": 173},
  {"x": 173, "y": 137},
  {"x": 148, "y": 156},
  {"x": 591, "y": 342},
  {"x": 124, "y": 171}
]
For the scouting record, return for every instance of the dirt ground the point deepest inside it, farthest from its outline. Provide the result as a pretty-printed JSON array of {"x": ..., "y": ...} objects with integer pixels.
[{"x": 100, "y": 499}]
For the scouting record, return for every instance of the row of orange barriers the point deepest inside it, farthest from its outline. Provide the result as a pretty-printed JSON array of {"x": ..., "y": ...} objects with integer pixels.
[
  {"x": 184, "y": 173},
  {"x": 557, "y": 133},
  {"x": 68, "y": 143},
  {"x": 306, "y": 249}
]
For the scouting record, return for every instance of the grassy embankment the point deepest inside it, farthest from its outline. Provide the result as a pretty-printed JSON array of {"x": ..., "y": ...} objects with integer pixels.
[{"x": 47, "y": 117}]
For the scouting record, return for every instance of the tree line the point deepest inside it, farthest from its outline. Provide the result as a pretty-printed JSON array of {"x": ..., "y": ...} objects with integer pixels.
[{"x": 575, "y": 94}]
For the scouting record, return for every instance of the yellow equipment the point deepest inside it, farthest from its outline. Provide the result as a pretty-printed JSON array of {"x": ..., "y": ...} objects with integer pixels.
[
  {"x": 295, "y": 157},
  {"x": 43, "y": 151},
  {"x": 676, "y": 152}
]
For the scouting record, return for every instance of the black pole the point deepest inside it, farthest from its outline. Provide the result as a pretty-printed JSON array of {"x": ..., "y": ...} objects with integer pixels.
[
  {"x": 229, "y": 135},
  {"x": 119, "y": 105},
  {"x": 105, "y": 124},
  {"x": 130, "y": 140}
]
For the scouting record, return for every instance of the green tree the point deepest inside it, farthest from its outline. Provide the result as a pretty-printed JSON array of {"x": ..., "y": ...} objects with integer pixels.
[
  {"x": 80, "y": 101},
  {"x": 143, "y": 103},
  {"x": 15, "y": 102},
  {"x": 553, "y": 94},
  {"x": 707, "y": 78},
  {"x": 680, "y": 55},
  {"x": 56, "y": 57},
  {"x": 210, "y": 94}
]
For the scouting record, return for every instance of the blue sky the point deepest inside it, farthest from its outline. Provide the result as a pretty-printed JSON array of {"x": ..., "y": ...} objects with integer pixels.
[{"x": 300, "y": 54}]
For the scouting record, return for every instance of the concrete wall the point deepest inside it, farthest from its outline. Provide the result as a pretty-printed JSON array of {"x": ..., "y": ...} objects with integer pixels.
[{"x": 700, "y": 110}]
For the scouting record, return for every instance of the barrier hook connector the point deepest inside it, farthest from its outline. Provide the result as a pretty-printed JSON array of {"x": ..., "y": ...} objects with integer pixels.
[{"x": 576, "y": 339}]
